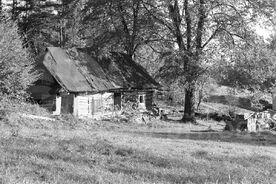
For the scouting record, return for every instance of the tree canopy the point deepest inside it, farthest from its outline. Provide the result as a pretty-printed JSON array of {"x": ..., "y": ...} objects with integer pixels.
[{"x": 122, "y": 25}]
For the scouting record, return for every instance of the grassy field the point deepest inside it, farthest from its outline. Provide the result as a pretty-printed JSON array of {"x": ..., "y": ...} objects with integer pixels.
[{"x": 160, "y": 152}]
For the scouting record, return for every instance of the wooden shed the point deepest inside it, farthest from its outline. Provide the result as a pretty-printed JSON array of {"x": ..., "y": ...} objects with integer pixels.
[{"x": 74, "y": 82}]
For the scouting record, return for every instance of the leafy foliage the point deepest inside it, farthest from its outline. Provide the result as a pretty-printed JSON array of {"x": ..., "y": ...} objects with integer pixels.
[
  {"x": 16, "y": 66},
  {"x": 122, "y": 25},
  {"x": 248, "y": 68},
  {"x": 48, "y": 23},
  {"x": 194, "y": 29}
]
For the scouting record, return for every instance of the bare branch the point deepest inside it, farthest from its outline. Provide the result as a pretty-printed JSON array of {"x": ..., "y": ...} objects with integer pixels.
[
  {"x": 211, "y": 37},
  {"x": 160, "y": 20}
]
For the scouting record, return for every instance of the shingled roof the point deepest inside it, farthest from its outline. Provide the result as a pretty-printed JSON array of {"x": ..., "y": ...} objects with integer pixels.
[{"x": 76, "y": 71}]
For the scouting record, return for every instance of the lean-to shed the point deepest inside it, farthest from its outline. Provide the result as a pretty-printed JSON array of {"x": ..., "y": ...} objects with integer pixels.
[{"x": 74, "y": 82}]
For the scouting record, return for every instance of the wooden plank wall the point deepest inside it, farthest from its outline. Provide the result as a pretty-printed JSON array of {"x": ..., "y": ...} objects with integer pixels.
[
  {"x": 133, "y": 97},
  {"x": 149, "y": 100},
  {"x": 130, "y": 97},
  {"x": 251, "y": 124},
  {"x": 81, "y": 106},
  {"x": 100, "y": 104}
]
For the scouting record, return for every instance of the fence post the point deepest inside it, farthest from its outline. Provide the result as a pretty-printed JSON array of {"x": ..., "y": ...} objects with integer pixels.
[{"x": 251, "y": 124}]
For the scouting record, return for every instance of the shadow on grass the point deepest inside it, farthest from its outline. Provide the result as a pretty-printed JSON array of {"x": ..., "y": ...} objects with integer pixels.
[
  {"x": 199, "y": 116},
  {"x": 159, "y": 176},
  {"x": 240, "y": 102},
  {"x": 265, "y": 138},
  {"x": 210, "y": 169}
]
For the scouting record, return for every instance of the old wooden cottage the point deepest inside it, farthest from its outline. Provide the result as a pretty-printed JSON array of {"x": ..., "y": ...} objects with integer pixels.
[{"x": 74, "y": 82}]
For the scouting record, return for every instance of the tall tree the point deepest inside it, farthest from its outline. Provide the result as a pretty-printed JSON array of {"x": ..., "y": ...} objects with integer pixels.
[
  {"x": 194, "y": 26},
  {"x": 121, "y": 25},
  {"x": 16, "y": 66}
]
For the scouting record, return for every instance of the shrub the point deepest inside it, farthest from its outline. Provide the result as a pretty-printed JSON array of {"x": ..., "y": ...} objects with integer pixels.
[
  {"x": 12, "y": 110},
  {"x": 9, "y": 105}
]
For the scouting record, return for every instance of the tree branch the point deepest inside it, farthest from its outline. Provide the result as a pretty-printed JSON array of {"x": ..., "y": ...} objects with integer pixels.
[
  {"x": 189, "y": 24},
  {"x": 211, "y": 37},
  {"x": 160, "y": 20},
  {"x": 176, "y": 20},
  {"x": 200, "y": 26},
  {"x": 126, "y": 29}
]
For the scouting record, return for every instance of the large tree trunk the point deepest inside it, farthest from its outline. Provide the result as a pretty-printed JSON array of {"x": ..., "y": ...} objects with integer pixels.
[
  {"x": 190, "y": 71},
  {"x": 189, "y": 106}
]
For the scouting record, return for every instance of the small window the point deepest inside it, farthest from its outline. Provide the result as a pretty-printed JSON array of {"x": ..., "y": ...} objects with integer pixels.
[{"x": 141, "y": 99}]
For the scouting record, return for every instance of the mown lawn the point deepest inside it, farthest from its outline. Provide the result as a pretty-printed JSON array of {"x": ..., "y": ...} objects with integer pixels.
[{"x": 159, "y": 153}]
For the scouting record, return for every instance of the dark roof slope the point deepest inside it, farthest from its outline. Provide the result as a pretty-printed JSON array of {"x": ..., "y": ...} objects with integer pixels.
[
  {"x": 91, "y": 70},
  {"x": 63, "y": 69},
  {"x": 76, "y": 71},
  {"x": 123, "y": 71}
]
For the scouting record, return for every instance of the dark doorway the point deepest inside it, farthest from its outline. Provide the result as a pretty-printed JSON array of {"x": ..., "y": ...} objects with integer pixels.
[
  {"x": 117, "y": 101},
  {"x": 67, "y": 103}
]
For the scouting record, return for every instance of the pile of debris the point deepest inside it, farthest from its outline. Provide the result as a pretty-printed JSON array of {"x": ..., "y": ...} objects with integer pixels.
[
  {"x": 235, "y": 123},
  {"x": 265, "y": 120}
]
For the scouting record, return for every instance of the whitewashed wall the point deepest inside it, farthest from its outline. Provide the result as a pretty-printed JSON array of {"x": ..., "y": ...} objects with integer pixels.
[{"x": 90, "y": 105}]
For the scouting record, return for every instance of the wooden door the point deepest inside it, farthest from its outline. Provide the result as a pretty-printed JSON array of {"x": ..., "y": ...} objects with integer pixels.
[
  {"x": 83, "y": 106},
  {"x": 117, "y": 101},
  {"x": 97, "y": 106}
]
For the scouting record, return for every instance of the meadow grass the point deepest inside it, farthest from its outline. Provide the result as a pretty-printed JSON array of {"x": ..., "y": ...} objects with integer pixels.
[{"x": 161, "y": 152}]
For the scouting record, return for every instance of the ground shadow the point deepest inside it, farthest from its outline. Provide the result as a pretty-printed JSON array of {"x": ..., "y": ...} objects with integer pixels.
[
  {"x": 177, "y": 118},
  {"x": 240, "y": 102},
  {"x": 261, "y": 138}
]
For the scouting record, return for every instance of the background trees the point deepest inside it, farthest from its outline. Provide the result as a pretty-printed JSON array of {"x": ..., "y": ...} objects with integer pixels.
[
  {"x": 47, "y": 23},
  {"x": 177, "y": 40},
  {"x": 198, "y": 30},
  {"x": 122, "y": 25},
  {"x": 250, "y": 67}
]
